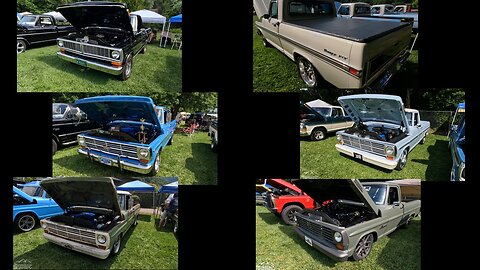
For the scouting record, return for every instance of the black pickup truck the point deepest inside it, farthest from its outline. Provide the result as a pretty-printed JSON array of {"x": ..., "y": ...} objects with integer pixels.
[{"x": 34, "y": 29}]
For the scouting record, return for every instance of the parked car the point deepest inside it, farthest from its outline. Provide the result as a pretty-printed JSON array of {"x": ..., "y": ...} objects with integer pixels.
[
  {"x": 213, "y": 133},
  {"x": 107, "y": 37},
  {"x": 354, "y": 9},
  {"x": 34, "y": 189},
  {"x": 35, "y": 29},
  {"x": 133, "y": 132},
  {"x": 315, "y": 123},
  {"x": 457, "y": 116},
  {"x": 457, "y": 147},
  {"x": 384, "y": 131},
  {"x": 382, "y": 9},
  {"x": 67, "y": 122},
  {"x": 29, "y": 210},
  {"x": 96, "y": 217},
  {"x": 352, "y": 215},
  {"x": 349, "y": 53},
  {"x": 286, "y": 199}
]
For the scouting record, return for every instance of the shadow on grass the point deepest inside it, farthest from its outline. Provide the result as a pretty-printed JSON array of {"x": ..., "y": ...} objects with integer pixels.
[
  {"x": 199, "y": 163},
  {"x": 439, "y": 162},
  {"x": 366, "y": 163},
  {"x": 271, "y": 218},
  {"x": 307, "y": 138},
  {"x": 166, "y": 77},
  {"x": 79, "y": 71},
  {"x": 146, "y": 218},
  {"x": 407, "y": 77},
  {"x": 315, "y": 254},
  {"x": 403, "y": 249}
]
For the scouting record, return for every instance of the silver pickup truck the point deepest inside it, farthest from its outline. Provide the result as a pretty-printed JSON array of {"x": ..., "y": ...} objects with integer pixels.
[
  {"x": 384, "y": 131},
  {"x": 352, "y": 215},
  {"x": 96, "y": 216},
  {"x": 346, "y": 52}
]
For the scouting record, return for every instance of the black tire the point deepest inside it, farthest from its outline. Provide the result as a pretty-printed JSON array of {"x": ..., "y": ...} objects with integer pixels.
[
  {"x": 144, "y": 50},
  {"x": 116, "y": 246},
  {"x": 127, "y": 68},
  {"x": 25, "y": 222},
  {"x": 54, "y": 147},
  {"x": 170, "y": 142},
  {"x": 21, "y": 46},
  {"x": 318, "y": 134},
  {"x": 422, "y": 141},
  {"x": 214, "y": 146},
  {"x": 287, "y": 214},
  {"x": 135, "y": 223},
  {"x": 363, "y": 247},
  {"x": 156, "y": 165},
  {"x": 403, "y": 160},
  {"x": 307, "y": 72},
  {"x": 266, "y": 44},
  {"x": 407, "y": 223}
]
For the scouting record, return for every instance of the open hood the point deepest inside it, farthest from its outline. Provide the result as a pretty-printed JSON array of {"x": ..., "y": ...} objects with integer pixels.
[
  {"x": 105, "y": 109},
  {"x": 22, "y": 194},
  {"x": 282, "y": 184},
  {"x": 83, "y": 191},
  {"x": 261, "y": 7},
  {"x": 305, "y": 109},
  {"x": 340, "y": 189},
  {"x": 374, "y": 107},
  {"x": 97, "y": 14}
]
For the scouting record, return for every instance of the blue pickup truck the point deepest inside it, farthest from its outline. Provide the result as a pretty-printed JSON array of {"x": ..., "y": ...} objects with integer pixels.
[
  {"x": 457, "y": 144},
  {"x": 133, "y": 132},
  {"x": 28, "y": 210}
]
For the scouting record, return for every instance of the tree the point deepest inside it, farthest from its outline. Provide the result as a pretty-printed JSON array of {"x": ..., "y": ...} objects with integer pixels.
[{"x": 168, "y": 8}]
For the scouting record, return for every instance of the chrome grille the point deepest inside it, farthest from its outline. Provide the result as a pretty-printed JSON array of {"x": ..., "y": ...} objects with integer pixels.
[
  {"x": 112, "y": 148},
  {"x": 71, "y": 233},
  {"x": 72, "y": 46},
  {"x": 364, "y": 144},
  {"x": 88, "y": 49},
  {"x": 315, "y": 229},
  {"x": 96, "y": 51}
]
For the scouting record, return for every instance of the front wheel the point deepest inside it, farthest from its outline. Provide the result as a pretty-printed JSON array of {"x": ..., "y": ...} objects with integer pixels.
[
  {"x": 21, "y": 46},
  {"x": 288, "y": 214},
  {"x": 25, "y": 222},
  {"x": 403, "y": 160},
  {"x": 54, "y": 146},
  {"x": 363, "y": 247},
  {"x": 127, "y": 68},
  {"x": 307, "y": 72},
  {"x": 156, "y": 166},
  {"x": 116, "y": 246}
]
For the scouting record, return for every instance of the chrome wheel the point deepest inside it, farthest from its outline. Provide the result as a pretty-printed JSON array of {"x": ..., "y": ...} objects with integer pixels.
[
  {"x": 307, "y": 72},
  {"x": 157, "y": 163},
  {"x": 318, "y": 135},
  {"x": 26, "y": 223},
  {"x": 116, "y": 246},
  {"x": 21, "y": 46},
  {"x": 128, "y": 67},
  {"x": 364, "y": 247}
]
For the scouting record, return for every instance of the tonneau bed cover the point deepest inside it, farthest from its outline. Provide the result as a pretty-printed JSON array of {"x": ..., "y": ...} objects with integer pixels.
[{"x": 359, "y": 30}]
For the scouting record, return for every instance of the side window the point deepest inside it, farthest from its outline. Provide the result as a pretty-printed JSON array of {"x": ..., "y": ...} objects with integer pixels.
[
  {"x": 45, "y": 21},
  {"x": 121, "y": 201},
  {"x": 336, "y": 112},
  {"x": 168, "y": 118},
  {"x": 392, "y": 195},
  {"x": 415, "y": 119},
  {"x": 375, "y": 10},
  {"x": 130, "y": 202},
  {"x": 274, "y": 10},
  {"x": 345, "y": 10}
]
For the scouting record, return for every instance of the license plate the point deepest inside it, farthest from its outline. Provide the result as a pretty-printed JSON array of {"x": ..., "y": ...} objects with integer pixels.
[
  {"x": 308, "y": 241},
  {"x": 81, "y": 62},
  {"x": 105, "y": 161},
  {"x": 357, "y": 156}
]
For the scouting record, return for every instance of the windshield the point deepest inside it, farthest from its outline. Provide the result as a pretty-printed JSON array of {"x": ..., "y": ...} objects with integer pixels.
[
  {"x": 376, "y": 192},
  {"x": 59, "y": 109},
  {"x": 32, "y": 191},
  {"x": 28, "y": 20},
  {"x": 323, "y": 111}
]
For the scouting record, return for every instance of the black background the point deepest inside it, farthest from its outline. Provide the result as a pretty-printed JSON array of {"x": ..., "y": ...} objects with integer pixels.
[{"x": 258, "y": 134}]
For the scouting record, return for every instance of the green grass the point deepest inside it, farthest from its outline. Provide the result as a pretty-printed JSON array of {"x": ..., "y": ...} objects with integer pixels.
[
  {"x": 430, "y": 161},
  {"x": 279, "y": 247},
  {"x": 143, "y": 247},
  {"x": 188, "y": 158},
  {"x": 40, "y": 70},
  {"x": 275, "y": 72}
]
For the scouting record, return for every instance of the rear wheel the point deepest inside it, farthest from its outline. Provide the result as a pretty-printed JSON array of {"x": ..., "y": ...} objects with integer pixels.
[
  {"x": 21, "y": 46},
  {"x": 54, "y": 146},
  {"x": 266, "y": 44},
  {"x": 288, "y": 214},
  {"x": 318, "y": 134},
  {"x": 307, "y": 71},
  {"x": 363, "y": 247},
  {"x": 403, "y": 160},
  {"x": 25, "y": 222}
]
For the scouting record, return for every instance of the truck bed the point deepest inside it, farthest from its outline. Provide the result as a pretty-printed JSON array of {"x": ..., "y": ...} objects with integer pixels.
[{"x": 359, "y": 30}]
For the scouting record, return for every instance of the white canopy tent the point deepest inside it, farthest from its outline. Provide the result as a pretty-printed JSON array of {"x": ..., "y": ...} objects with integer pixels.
[
  {"x": 57, "y": 15},
  {"x": 151, "y": 17},
  {"x": 318, "y": 103}
]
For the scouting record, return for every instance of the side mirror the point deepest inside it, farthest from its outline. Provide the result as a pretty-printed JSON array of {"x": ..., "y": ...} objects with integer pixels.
[{"x": 266, "y": 16}]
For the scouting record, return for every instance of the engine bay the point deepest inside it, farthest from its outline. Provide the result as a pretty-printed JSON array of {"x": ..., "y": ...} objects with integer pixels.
[
  {"x": 87, "y": 220},
  {"x": 343, "y": 213},
  {"x": 377, "y": 132},
  {"x": 102, "y": 38},
  {"x": 140, "y": 132}
]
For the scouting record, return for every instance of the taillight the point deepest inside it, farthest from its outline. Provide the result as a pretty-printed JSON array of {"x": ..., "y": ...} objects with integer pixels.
[{"x": 353, "y": 71}]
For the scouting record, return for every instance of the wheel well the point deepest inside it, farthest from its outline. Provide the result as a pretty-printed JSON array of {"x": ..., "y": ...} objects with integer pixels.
[
  {"x": 375, "y": 236},
  {"x": 320, "y": 127},
  {"x": 293, "y": 203},
  {"x": 55, "y": 138},
  {"x": 26, "y": 41},
  {"x": 27, "y": 212}
]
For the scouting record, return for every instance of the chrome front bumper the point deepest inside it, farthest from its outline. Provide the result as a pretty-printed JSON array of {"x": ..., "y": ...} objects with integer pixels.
[
  {"x": 86, "y": 249},
  {"x": 92, "y": 64},
  {"x": 367, "y": 157},
  {"x": 123, "y": 165}
]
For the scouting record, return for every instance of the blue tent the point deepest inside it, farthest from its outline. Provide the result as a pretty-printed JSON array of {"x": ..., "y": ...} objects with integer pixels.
[
  {"x": 136, "y": 186},
  {"x": 169, "y": 188},
  {"x": 176, "y": 19},
  {"x": 461, "y": 105}
]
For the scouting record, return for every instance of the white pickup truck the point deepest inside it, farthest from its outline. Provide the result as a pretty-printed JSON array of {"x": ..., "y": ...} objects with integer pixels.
[
  {"x": 384, "y": 131},
  {"x": 350, "y": 10},
  {"x": 349, "y": 53}
]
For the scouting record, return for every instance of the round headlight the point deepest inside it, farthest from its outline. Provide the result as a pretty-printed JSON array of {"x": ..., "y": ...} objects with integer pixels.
[
  {"x": 143, "y": 153},
  {"x": 101, "y": 239},
  {"x": 339, "y": 138},
  {"x": 115, "y": 54},
  {"x": 44, "y": 225},
  {"x": 389, "y": 150},
  {"x": 338, "y": 237},
  {"x": 81, "y": 140},
  {"x": 60, "y": 43}
]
